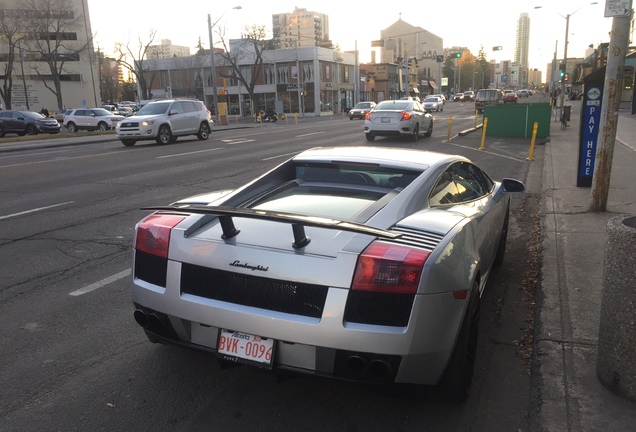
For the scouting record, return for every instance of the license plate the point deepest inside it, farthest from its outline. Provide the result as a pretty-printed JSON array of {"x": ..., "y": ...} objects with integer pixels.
[
  {"x": 245, "y": 348},
  {"x": 385, "y": 120}
]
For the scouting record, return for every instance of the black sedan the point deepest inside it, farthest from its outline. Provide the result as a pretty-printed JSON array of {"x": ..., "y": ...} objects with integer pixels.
[{"x": 26, "y": 123}]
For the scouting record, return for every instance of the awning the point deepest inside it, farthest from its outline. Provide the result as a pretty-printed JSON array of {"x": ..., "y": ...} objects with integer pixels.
[
  {"x": 415, "y": 90},
  {"x": 433, "y": 84}
]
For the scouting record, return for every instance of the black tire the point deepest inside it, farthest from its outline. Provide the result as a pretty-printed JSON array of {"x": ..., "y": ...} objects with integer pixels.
[
  {"x": 72, "y": 128},
  {"x": 416, "y": 133},
  {"x": 164, "y": 135},
  {"x": 429, "y": 131},
  {"x": 370, "y": 137},
  {"x": 31, "y": 130},
  {"x": 350, "y": 118},
  {"x": 2, "y": 134},
  {"x": 20, "y": 133},
  {"x": 501, "y": 248},
  {"x": 454, "y": 387},
  {"x": 128, "y": 143},
  {"x": 204, "y": 132},
  {"x": 102, "y": 127}
]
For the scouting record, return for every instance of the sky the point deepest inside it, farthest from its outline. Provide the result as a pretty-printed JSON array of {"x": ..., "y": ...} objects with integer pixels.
[{"x": 467, "y": 23}]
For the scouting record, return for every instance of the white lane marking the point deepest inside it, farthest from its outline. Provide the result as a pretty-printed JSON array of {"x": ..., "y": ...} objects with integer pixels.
[
  {"x": 101, "y": 283},
  {"x": 280, "y": 156},
  {"x": 309, "y": 134},
  {"x": 240, "y": 141},
  {"x": 188, "y": 153},
  {"x": 36, "y": 210},
  {"x": 34, "y": 154},
  {"x": 59, "y": 160},
  {"x": 488, "y": 152}
]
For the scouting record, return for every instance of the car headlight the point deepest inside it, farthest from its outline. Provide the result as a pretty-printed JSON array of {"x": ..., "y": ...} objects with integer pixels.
[{"x": 147, "y": 122}]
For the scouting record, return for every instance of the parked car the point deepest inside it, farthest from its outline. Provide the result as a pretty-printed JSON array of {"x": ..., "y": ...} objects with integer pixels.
[
  {"x": 165, "y": 121},
  {"x": 459, "y": 97},
  {"x": 90, "y": 119},
  {"x": 487, "y": 97},
  {"x": 433, "y": 103},
  {"x": 356, "y": 263},
  {"x": 125, "y": 111},
  {"x": 360, "y": 110},
  {"x": 510, "y": 97},
  {"x": 469, "y": 96},
  {"x": 26, "y": 123},
  {"x": 398, "y": 118}
]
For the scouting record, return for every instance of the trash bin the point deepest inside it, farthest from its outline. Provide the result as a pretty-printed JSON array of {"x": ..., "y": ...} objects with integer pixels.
[
  {"x": 616, "y": 368},
  {"x": 566, "y": 112}
]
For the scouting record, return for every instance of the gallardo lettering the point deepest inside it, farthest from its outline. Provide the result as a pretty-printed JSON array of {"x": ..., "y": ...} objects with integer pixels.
[{"x": 237, "y": 263}]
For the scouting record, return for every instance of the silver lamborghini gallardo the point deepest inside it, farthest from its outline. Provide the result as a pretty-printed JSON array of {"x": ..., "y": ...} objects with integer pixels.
[{"x": 356, "y": 263}]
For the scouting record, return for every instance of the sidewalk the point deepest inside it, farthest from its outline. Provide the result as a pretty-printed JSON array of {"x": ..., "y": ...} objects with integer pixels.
[{"x": 567, "y": 395}]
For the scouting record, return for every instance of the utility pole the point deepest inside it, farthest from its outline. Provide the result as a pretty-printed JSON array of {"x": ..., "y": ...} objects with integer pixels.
[{"x": 612, "y": 87}]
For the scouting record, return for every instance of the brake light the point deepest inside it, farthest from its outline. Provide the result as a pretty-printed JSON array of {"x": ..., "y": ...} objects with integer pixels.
[
  {"x": 405, "y": 115},
  {"x": 384, "y": 267},
  {"x": 153, "y": 234},
  {"x": 367, "y": 116}
]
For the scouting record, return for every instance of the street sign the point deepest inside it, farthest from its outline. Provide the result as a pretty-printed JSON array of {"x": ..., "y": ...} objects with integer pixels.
[
  {"x": 617, "y": 8},
  {"x": 504, "y": 78}
]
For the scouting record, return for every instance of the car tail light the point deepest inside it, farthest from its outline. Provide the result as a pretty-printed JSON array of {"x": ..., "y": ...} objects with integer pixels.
[
  {"x": 153, "y": 234},
  {"x": 384, "y": 267},
  {"x": 367, "y": 116},
  {"x": 405, "y": 115}
]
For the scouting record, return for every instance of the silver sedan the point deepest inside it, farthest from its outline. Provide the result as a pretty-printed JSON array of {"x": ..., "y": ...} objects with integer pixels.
[{"x": 398, "y": 118}]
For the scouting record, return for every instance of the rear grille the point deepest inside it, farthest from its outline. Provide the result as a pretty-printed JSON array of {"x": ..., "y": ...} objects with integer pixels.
[
  {"x": 386, "y": 309},
  {"x": 151, "y": 268},
  {"x": 263, "y": 293},
  {"x": 416, "y": 238}
]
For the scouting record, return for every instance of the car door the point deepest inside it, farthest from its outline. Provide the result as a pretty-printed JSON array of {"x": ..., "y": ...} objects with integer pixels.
[
  {"x": 192, "y": 116},
  {"x": 6, "y": 121},
  {"x": 178, "y": 118}
]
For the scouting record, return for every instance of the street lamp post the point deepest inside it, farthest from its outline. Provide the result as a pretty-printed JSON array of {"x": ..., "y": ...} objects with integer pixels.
[
  {"x": 213, "y": 66},
  {"x": 565, "y": 54}
]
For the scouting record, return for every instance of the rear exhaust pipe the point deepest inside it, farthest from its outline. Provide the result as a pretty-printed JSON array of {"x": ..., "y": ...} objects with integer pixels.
[
  {"x": 356, "y": 364},
  {"x": 141, "y": 318},
  {"x": 155, "y": 323},
  {"x": 381, "y": 369}
]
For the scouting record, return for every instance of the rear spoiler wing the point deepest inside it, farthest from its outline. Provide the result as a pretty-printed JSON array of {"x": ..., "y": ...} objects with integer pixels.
[{"x": 297, "y": 221}]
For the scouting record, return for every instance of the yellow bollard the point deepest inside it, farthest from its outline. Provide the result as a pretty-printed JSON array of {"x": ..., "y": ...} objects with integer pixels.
[
  {"x": 296, "y": 117},
  {"x": 450, "y": 123},
  {"x": 260, "y": 117},
  {"x": 483, "y": 134},
  {"x": 534, "y": 138}
]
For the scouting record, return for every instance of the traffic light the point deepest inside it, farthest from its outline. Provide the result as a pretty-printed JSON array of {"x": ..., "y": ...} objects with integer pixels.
[
  {"x": 497, "y": 48},
  {"x": 514, "y": 71},
  {"x": 566, "y": 77},
  {"x": 457, "y": 55}
]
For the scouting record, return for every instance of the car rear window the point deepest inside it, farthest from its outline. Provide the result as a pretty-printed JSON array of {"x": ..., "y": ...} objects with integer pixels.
[
  {"x": 339, "y": 191},
  {"x": 392, "y": 105}
]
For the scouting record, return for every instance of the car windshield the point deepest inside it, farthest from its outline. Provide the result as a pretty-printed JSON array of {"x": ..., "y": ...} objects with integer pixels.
[
  {"x": 393, "y": 105},
  {"x": 431, "y": 99},
  {"x": 154, "y": 108},
  {"x": 363, "y": 105}
]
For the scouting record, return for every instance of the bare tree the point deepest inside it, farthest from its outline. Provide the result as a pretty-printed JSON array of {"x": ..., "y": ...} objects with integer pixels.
[
  {"x": 52, "y": 40},
  {"x": 109, "y": 78},
  {"x": 12, "y": 30},
  {"x": 134, "y": 62},
  {"x": 251, "y": 45}
]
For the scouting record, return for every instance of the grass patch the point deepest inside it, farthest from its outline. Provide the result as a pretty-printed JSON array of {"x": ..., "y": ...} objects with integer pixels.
[{"x": 45, "y": 136}]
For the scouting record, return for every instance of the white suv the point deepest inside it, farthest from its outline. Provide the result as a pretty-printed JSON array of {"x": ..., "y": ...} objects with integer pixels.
[
  {"x": 164, "y": 121},
  {"x": 90, "y": 119}
]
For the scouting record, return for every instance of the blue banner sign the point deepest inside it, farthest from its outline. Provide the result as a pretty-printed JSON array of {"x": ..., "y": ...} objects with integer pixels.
[{"x": 589, "y": 135}]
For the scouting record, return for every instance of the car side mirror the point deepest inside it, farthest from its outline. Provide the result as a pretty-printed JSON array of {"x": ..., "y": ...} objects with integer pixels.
[
  {"x": 173, "y": 112},
  {"x": 512, "y": 185}
]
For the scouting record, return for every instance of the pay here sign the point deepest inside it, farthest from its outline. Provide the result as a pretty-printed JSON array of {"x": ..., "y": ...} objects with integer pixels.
[{"x": 589, "y": 135}]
